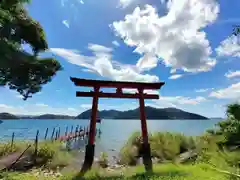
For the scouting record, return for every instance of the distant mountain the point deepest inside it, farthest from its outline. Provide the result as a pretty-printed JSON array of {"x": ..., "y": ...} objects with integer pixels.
[
  {"x": 216, "y": 118},
  {"x": 106, "y": 114},
  {"x": 151, "y": 113},
  {"x": 8, "y": 116},
  {"x": 52, "y": 116},
  {"x": 44, "y": 116}
]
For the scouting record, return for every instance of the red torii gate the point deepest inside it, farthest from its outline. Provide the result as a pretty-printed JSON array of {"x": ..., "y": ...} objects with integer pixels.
[{"x": 96, "y": 94}]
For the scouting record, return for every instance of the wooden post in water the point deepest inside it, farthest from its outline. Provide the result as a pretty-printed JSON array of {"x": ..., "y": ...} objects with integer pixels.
[
  {"x": 84, "y": 132},
  {"x": 66, "y": 132},
  {"x": 12, "y": 140},
  {"x": 36, "y": 147},
  {"x": 71, "y": 129},
  {"x": 56, "y": 135},
  {"x": 46, "y": 133},
  {"x": 53, "y": 134},
  {"x": 76, "y": 131},
  {"x": 59, "y": 132}
]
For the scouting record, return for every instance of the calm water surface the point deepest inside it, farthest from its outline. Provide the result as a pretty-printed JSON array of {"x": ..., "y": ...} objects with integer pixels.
[{"x": 114, "y": 132}]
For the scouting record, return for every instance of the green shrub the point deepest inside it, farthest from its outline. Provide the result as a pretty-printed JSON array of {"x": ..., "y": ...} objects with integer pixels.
[
  {"x": 103, "y": 160},
  {"x": 164, "y": 146},
  {"x": 51, "y": 156},
  {"x": 128, "y": 155}
]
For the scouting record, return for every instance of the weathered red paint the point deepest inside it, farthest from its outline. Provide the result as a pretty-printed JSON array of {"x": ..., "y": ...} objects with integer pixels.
[
  {"x": 143, "y": 117},
  {"x": 93, "y": 120}
]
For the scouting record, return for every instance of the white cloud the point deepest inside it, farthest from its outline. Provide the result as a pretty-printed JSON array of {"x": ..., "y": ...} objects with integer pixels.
[
  {"x": 231, "y": 92},
  {"x": 176, "y": 38},
  {"x": 71, "y": 2},
  {"x": 147, "y": 91},
  {"x": 125, "y": 3},
  {"x": 175, "y": 76},
  {"x": 99, "y": 48},
  {"x": 4, "y": 106},
  {"x": 81, "y": 1},
  {"x": 232, "y": 74},
  {"x": 203, "y": 90},
  {"x": 102, "y": 64},
  {"x": 183, "y": 100},
  {"x": 38, "y": 109},
  {"x": 115, "y": 43},
  {"x": 176, "y": 101},
  {"x": 71, "y": 109},
  {"x": 172, "y": 71},
  {"x": 147, "y": 62},
  {"x": 229, "y": 47},
  {"x": 66, "y": 23},
  {"x": 120, "y": 106}
]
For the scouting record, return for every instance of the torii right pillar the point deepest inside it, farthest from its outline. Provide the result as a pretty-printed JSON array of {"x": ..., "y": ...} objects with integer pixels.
[{"x": 145, "y": 146}]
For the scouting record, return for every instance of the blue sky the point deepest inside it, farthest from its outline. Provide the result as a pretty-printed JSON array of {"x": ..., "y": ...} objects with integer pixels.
[{"x": 186, "y": 44}]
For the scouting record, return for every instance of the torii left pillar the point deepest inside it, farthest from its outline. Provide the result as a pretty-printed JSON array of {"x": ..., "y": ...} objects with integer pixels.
[{"x": 90, "y": 147}]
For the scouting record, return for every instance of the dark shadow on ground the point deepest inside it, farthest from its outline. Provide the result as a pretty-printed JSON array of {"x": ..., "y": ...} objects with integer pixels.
[{"x": 139, "y": 176}]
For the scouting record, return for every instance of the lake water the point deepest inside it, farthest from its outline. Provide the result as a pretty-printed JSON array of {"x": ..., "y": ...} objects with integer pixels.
[{"x": 114, "y": 132}]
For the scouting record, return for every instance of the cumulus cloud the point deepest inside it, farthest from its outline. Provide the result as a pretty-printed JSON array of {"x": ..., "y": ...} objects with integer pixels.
[
  {"x": 231, "y": 92},
  {"x": 176, "y": 76},
  {"x": 66, "y": 23},
  {"x": 176, "y": 38},
  {"x": 101, "y": 63},
  {"x": 229, "y": 47},
  {"x": 115, "y": 43},
  {"x": 232, "y": 74}
]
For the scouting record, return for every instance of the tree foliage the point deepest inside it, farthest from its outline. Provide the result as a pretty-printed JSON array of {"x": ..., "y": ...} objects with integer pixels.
[
  {"x": 230, "y": 128},
  {"x": 20, "y": 70},
  {"x": 236, "y": 30}
]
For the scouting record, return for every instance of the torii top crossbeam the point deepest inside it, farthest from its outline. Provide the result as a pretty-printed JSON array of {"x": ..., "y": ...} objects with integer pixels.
[
  {"x": 119, "y": 85},
  {"x": 116, "y": 84}
]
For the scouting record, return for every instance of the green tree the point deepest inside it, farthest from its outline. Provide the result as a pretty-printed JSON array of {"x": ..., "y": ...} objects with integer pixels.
[
  {"x": 19, "y": 70},
  {"x": 230, "y": 128}
]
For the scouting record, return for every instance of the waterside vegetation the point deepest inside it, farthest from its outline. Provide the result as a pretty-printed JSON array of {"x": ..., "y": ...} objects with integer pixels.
[{"x": 213, "y": 155}]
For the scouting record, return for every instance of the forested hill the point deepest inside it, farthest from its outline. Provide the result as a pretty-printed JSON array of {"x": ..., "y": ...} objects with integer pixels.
[{"x": 151, "y": 113}]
